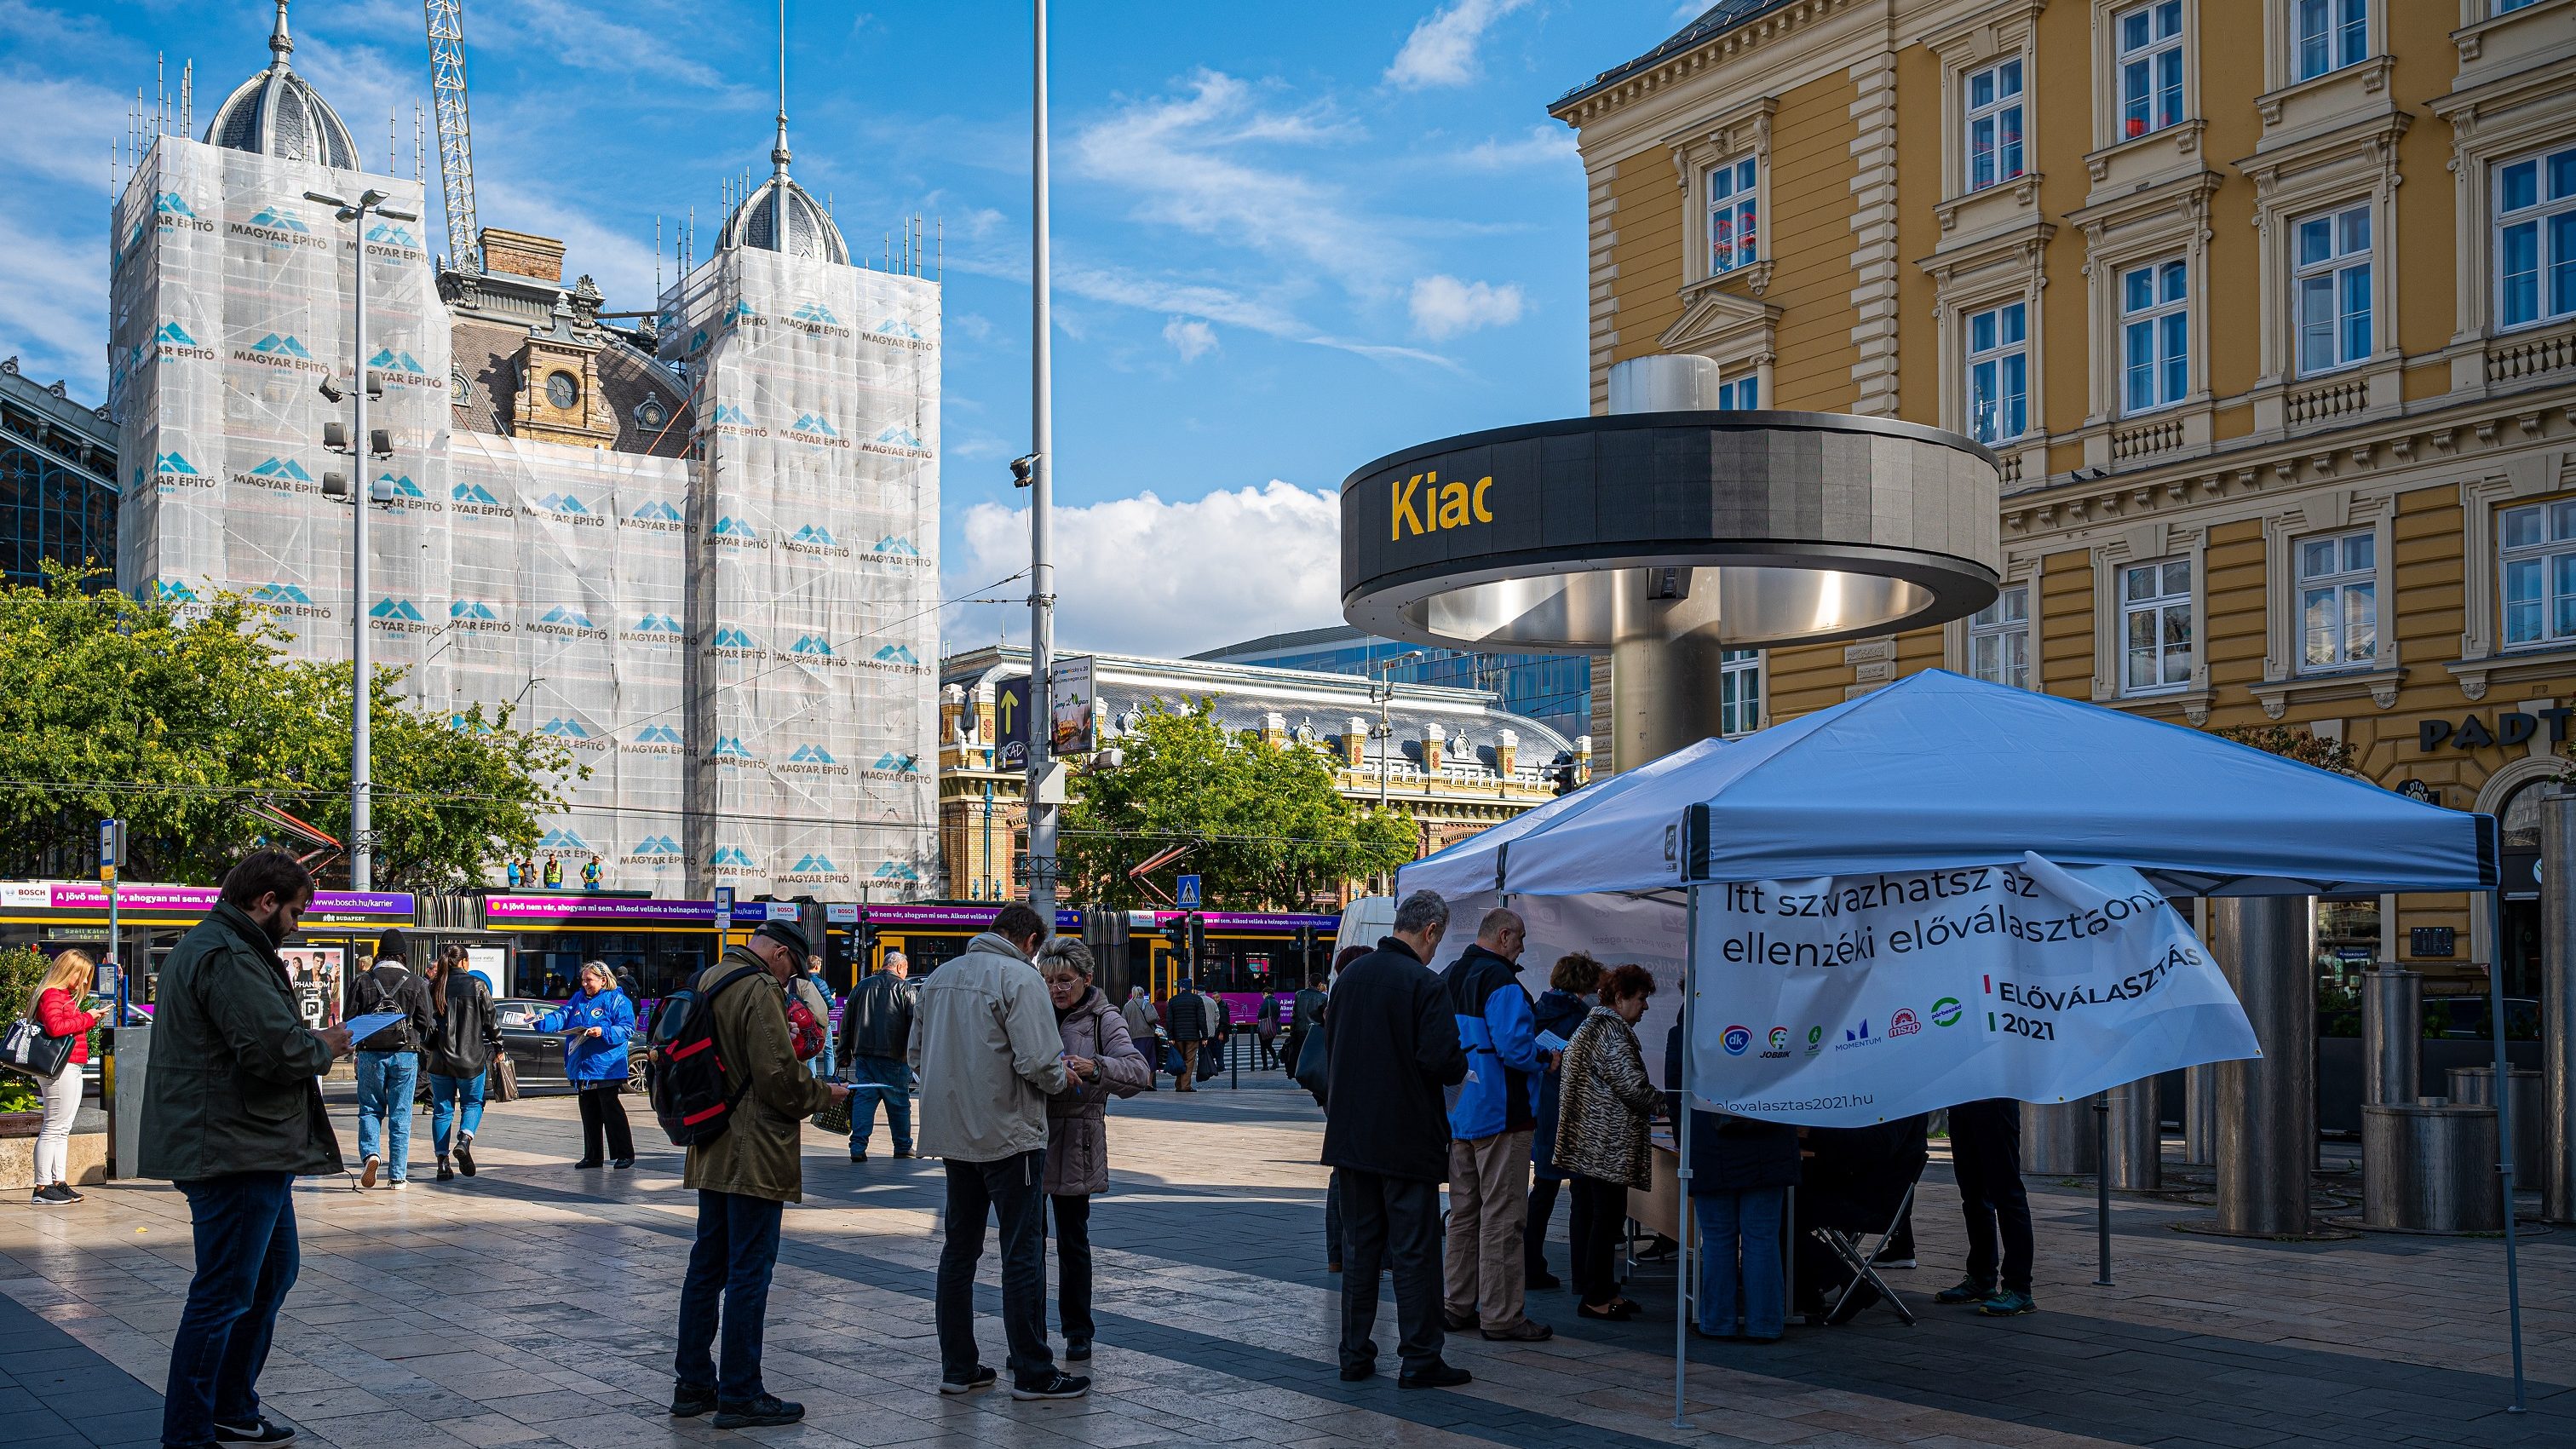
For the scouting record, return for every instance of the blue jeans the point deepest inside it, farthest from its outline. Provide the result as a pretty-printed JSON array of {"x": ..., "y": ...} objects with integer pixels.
[
  {"x": 451, "y": 1098},
  {"x": 736, "y": 1251},
  {"x": 244, "y": 1227},
  {"x": 1747, "y": 1223},
  {"x": 822, "y": 1063},
  {"x": 875, "y": 1079},
  {"x": 386, "y": 1081}
]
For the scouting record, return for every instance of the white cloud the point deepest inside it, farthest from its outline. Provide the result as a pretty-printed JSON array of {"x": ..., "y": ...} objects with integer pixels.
[
  {"x": 1549, "y": 145},
  {"x": 1441, "y": 51},
  {"x": 53, "y": 309},
  {"x": 1191, "y": 338},
  {"x": 1142, "y": 576},
  {"x": 59, "y": 129},
  {"x": 1443, "y": 306}
]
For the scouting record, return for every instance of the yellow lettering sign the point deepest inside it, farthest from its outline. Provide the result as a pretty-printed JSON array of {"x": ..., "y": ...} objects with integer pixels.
[
  {"x": 1483, "y": 514},
  {"x": 1423, "y": 504},
  {"x": 1402, "y": 511}
]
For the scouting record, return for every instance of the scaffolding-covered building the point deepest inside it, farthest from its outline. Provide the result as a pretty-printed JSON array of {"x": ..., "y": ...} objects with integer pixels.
[{"x": 699, "y": 551}]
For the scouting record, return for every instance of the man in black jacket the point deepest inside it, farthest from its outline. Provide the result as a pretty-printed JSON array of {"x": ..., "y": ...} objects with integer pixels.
[
  {"x": 1393, "y": 1044},
  {"x": 458, "y": 1053},
  {"x": 389, "y": 1061},
  {"x": 1187, "y": 1018},
  {"x": 876, "y": 1055}
]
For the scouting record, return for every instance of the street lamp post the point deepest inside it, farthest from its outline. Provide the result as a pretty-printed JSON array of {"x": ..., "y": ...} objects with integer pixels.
[
  {"x": 1042, "y": 813},
  {"x": 362, "y": 842}
]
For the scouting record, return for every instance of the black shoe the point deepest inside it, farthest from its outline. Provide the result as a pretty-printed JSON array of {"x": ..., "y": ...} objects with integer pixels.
[
  {"x": 1457, "y": 1322},
  {"x": 858, "y": 1157},
  {"x": 905, "y": 1152},
  {"x": 1541, "y": 1283},
  {"x": 589, "y": 1162},
  {"x": 758, "y": 1413},
  {"x": 63, "y": 1193},
  {"x": 1056, "y": 1385},
  {"x": 689, "y": 1401},
  {"x": 1077, "y": 1350},
  {"x": 980, "y": 1378},
  {"x": 257, "y": 1431},
  {"x": 1333, "y": 1265},
  {"x": 1354, "y": 1372},
  {"x": 52, "y": 1195},
  {"x": 621, "y": 1162},
  {"x": 1441, "y": 1375},
  {"x": 445, "y": 1172},
  {"x": 465, "y": 1154}
]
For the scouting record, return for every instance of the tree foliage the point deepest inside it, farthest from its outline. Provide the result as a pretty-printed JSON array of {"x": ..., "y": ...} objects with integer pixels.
[
  {"x": 177, "y": 719},
  {"x": 1267, "y": 827},
  {"x": 2299, "y": 745}
]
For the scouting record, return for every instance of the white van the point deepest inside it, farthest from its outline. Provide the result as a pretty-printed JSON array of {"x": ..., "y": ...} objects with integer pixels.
[{"x": 1365, "y": 922}]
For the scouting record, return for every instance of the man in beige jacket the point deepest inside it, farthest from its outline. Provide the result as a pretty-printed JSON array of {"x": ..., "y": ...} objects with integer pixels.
[
  {"x": 744, "y": 1180},
  {"x": 987, "y": 1049}
]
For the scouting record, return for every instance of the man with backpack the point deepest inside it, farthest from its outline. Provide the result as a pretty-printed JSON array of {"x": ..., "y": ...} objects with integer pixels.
[
  {"x": 389, "y": 1061},
  {"x": 734, "y": 1026},
  {"x": 1187, "y": 1017}
]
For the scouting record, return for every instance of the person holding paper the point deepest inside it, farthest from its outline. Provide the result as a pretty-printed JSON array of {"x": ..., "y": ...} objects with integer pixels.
[
  {"x": 232, "y": 1113},
  {"x": 1492, "y": 1117},
  {"x": 596, "y": 1024},
  {"x": 1601, "y": 1139},
  {"x": 1561, "y": 1008}
]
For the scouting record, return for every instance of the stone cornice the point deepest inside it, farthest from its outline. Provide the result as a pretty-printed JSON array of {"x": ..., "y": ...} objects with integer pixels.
[{"x": 1625, "y": 85}]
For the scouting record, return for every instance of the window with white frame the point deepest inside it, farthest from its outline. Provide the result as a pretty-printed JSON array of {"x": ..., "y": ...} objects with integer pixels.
[
  {"x": 2538, "y": 547},
  {"x": 1994, "y": 124},
  {"x": 2150, "y": 67},
  {"x": 2339, "y": 601},
  {"x": 1999, "y": 373},
  {"x": 1732, "y": 228},
  {"x": 2331, "y": 34},
  {"x": 2331, "y": 281},
  {"x": 2155, "y": 336},
  {"x": 1999, "y": 639},
  {"x": 2155, "y": 622},
  {"x": 2507, "y": 7},
  {"x": 1744, "y": 390},
  {"x": 1739, "y": 692},
  {"x": 2536, "y": 239}
]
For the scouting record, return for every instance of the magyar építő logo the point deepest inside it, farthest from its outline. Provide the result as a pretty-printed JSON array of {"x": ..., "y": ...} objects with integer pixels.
[
  {"x": 1737, "y": 1038},
  {"x": 1945, "y": 1012},
  {"x": 1904, "y": 1022}
]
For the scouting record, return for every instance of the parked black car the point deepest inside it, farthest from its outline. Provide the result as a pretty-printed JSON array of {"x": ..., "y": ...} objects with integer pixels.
[{"x": 539, "y": 1054}]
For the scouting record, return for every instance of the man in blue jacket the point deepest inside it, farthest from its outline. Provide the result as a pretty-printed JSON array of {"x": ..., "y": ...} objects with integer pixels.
[{"x": 1491, "y": 1117}]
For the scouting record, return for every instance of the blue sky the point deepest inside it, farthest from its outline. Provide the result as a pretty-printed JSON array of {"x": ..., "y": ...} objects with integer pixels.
[{"x": 1289, "y": 237}]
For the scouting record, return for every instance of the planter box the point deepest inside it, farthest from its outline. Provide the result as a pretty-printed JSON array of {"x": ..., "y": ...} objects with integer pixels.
[{"x": 85, "y": 1160}]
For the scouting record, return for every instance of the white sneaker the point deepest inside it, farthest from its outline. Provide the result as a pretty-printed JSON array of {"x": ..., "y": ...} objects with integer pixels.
[
  {"x": 367, "y": 1174},
  {"x": 399, "y": 1183}
]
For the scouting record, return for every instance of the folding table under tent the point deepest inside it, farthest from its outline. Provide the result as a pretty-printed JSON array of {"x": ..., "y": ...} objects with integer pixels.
[{"x": 1938, "y": 771}]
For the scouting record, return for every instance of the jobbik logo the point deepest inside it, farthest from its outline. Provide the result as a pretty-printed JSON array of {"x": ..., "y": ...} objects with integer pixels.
[
  {"x": 655, "y": 739},
  {"x": 563, "y": 621},
  {"x": 279, "y": 226},
  {"x": 894, "y": 440},
  {"x": 813, "y": 760},
  {"x": 1778, "y": 1045},
  {"x": 813, "y": 868},
  {"x": 397, "y": 616},
  {"x": 276, "y": 474},
  {"x": 815, "y": 540},
  {"x": 656, "y": 516},
  {"x": 282, "y": 350}
]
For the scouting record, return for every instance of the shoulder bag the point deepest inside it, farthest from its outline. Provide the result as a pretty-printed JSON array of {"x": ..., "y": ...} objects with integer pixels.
[{"x": 31, "y": 1051}]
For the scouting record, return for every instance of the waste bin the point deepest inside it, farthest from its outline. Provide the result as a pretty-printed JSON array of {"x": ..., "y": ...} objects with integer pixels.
[
  {"x": 2476, "y": 1087},
  {"x": 2429, "y": 1166}
]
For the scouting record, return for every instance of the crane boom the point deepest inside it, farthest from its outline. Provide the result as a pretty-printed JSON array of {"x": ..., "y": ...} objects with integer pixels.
[{"x": 455, "y": 142}]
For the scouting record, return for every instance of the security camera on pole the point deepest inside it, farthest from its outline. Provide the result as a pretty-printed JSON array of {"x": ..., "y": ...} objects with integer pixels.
[{"x": 362, "y": 836}]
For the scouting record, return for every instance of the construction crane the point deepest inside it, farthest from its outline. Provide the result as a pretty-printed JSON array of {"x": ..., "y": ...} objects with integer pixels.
[{"x": 455, "y": 143}]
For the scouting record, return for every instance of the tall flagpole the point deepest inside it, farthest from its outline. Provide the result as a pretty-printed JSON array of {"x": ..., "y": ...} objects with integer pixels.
[{"x": 1041, "y": 497}]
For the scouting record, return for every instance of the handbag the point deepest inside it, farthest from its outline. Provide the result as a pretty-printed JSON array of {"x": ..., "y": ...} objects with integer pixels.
[
  {"x": 31, "y": 1051},
  {"x": 835, "y": 1118},
  {"x": 505, "y": 1078},
  {"x": 1314, "y": 1064}
]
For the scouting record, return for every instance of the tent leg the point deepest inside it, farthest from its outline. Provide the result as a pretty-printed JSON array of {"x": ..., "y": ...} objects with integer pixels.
[
  {"x": 2504, "y": 1135},
  {"x": 2102, "y": 1189},
  {"x": 1682, "y": 1216}
]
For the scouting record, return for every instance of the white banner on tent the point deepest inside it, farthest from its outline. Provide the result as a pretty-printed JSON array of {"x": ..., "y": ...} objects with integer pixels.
[{"x": 1856, "y": 999}]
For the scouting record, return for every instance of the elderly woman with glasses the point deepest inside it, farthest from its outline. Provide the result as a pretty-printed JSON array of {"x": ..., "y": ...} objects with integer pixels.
[
  {"x": 1103, "y": 1062},
  {"x": 597, "y": 1023}
]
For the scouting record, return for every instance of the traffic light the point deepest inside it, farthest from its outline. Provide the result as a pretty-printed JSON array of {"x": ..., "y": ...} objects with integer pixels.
[
  {"x": 1560, "y": 773},
  {"x": 1176, "y": 934},
  {"x": 1305, "y": 951},
  {"x": 1198, "y": 941}
]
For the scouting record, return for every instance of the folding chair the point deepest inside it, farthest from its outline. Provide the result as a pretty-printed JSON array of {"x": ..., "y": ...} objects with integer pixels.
[{"x": 1847, "y": 1245}]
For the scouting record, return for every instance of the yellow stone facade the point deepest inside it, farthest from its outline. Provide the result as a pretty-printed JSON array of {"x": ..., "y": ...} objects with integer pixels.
[{"x": 2417, "y": 451}]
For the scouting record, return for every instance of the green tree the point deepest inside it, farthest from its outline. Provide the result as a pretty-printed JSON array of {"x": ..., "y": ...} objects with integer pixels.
[
  {"x": 178, "y": 718},
  {"x": 1267, "y": 828},
  {"x": 2299, "y": 745}
]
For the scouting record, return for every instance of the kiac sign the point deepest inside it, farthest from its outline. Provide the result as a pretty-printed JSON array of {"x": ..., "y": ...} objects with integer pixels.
[
  {"x": 1423, "y": 504},
  {"x": 2473, "y": 733}
]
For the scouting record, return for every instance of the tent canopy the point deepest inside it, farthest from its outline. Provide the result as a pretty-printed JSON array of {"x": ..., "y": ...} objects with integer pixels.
[{"x": 1937, "y": 770}]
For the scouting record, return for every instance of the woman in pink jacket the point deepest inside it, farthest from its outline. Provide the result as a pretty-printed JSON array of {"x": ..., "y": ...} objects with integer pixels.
[{"x": 1103, "y": 1061}]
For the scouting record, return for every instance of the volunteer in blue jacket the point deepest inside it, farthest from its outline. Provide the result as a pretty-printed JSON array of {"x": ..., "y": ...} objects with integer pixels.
[
  {"x": 1491, "y": 1117},
  {"x": 597, "y": 1025}
]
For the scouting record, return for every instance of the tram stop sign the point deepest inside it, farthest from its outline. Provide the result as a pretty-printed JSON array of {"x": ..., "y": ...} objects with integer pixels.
[{"x": 1185, "y": 891}]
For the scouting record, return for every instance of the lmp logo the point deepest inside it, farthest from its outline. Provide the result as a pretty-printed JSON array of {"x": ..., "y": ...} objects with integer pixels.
[
  {"x": 288, "y": 601},
  {"x": 473, "y": 616},
  {"x": 816, "y": 431},
  {"x": 814, "y": 538},
  {"x": 281, "y": 350},
  {"x": 732, "y": 532},
  {"x": 812, "y": 760},
  {"x": 655, "y": 740},
  {"x": 654, "y": 850},
  {"x": 173, "y": 341},
  {"x": 733, "y": 420},
  {"x": 475, "y": 498},
  {"x": 730, "y": 857},
  {"x": 1438, "y": 506},
  {"x": 654, "y": 517},
  {"x": 563, "y": 621},
  {"x": 896, "y": 440}
]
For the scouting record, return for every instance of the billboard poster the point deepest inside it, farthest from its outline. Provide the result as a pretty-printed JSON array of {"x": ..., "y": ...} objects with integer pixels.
[
  {"x": 314, "y": 974},
  {"x": 1073, "y": 707}
]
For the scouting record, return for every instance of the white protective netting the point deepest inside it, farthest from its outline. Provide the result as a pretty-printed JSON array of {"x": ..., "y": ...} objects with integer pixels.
[
  {"x": 813, "y": 618},
  {"x": 740, "y": 648}
]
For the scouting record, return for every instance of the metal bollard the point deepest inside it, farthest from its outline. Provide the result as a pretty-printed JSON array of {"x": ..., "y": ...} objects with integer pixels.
[
  {"x": 2432, "y": 1167},
  {"x": 2475, "y": 1086},
  {"x": 2267, "y": 1108},
  {"x": 2392, "y": 1035},
  {"x": 2137, "y": 1138},
  {"x": 2060, "y": 1138},
  {"x": 2557, "y": 998},
  {"x": 2200, "y": 1114}
]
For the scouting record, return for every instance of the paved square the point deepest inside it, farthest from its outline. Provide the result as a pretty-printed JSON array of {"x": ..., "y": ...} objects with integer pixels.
[{"x": 532, "y": 1306}]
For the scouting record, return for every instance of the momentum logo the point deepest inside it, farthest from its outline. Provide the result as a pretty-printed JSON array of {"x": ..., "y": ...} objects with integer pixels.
[
  {"x": 896, "y": 440},
  {"x": 172, "y": 341},
  {"x": 280, "y": 350},
  {"x": 288, "y": 601},
  {"x": 473, "y": 616},
  {"x": 1438, "y": 505},
  {"x": 815, "y": 539},
  {"x": 654, "y": 517},
  {"x": 563, "y": 621}
]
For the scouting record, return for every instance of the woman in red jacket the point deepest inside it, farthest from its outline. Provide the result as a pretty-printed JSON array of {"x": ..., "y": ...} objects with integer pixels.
[{"x": 58, "y": 1013}]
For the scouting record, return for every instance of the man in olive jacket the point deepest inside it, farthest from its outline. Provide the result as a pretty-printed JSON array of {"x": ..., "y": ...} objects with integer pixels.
[
  {"x": 744, "y": 1178},
  {"x": 233, "y": 1114}
]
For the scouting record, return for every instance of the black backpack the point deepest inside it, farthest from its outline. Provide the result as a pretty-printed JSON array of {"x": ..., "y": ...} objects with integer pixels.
[{"x": 691, "y": 1093}]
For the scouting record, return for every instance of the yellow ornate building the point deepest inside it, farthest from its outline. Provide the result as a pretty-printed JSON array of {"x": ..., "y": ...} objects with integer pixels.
[{"x": 2268, "y": 307}]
